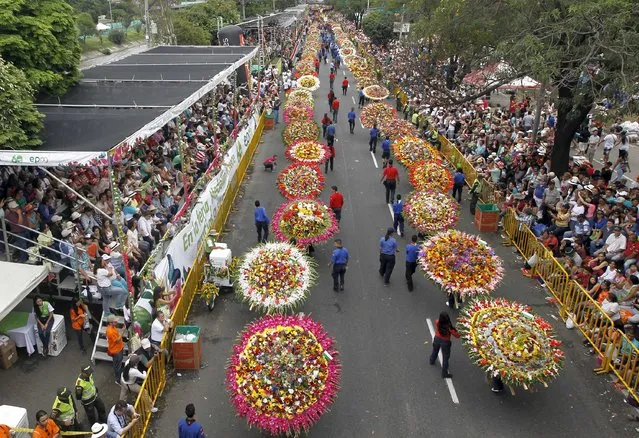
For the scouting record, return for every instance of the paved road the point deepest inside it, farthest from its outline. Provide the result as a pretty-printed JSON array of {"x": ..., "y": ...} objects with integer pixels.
[{"x": 388, "y": 388}]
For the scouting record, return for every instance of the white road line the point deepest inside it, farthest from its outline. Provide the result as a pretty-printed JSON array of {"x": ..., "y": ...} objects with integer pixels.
[
  {"x": 361, "y": 124},
  {"x": 390, "y": 208},
  {"x": 449, "y": 382},
  {"x": 374, "y": 160},
  {"x": 353, "y": 97}
]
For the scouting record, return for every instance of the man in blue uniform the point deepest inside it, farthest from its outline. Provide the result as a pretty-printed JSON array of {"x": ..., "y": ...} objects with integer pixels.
[
  {"x": 261, "y": 223},
  {"x": 339, "y": 260},
  {"x": 398, "y": 216},
  {"x": 351, "y": 120},
  {"x": 412, "y": 249}
]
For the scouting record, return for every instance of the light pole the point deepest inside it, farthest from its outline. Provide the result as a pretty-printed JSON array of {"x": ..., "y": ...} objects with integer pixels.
[
  {"x": 243, "y": 9},
  {"x": 110, "y": 12},
  {"x": 147, "y": 36},
  {"x": 401, "y": 28}
]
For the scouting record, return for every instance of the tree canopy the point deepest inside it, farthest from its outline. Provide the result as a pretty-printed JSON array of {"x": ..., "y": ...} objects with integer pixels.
[
  {"x": 86, "y": 25},
  {"x": 40, "y": 38},
  {"x": 203, "y": 18},
  {"x": 378, "y": 26},
  {"x": 20, "y": 122},
  {"x": 187, "y": 34}
]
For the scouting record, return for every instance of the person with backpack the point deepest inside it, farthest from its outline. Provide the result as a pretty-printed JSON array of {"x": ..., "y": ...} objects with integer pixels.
[{"x": 444, "y": 328}]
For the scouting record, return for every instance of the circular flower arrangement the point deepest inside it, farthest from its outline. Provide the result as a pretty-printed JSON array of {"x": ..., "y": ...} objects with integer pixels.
[
  {"x": 409, "y": 150},
  {"x": 274, "y": 277},
  {"x": 397, "y": 128},
  {"x": 304, "y": 67},
  {"x": 308, "y": 152},
  {"x": 430, "y": 212},
  {"x": 376, "y": 92},
  {"x": 376, "y": 112},
  {"x": 297, "y": 111},
  {"x": 300, "y": 130},
  {"x": 506, "y": 339},
  {"x": 346, "y": 51},
  {"x": 305, "y": 220},
  {"x": 300, "y": 96},
  {"x": 356, "y": 63},
  {"x": 308, "y": 82},
  {"x": 284, "y": 374},
  {"x": 300, "y": 181},
  {"x": 461, "y": 263},
  {"x": 430, "y": 175}
]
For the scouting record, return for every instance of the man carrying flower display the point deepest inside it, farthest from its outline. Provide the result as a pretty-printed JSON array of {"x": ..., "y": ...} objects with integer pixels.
[
  {"x": 261, "y": 223},
  {"x": 339, "y": 260}
]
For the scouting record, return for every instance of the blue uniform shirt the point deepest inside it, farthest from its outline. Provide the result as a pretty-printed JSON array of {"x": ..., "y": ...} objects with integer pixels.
[
  {"x": 373, "y": 132},
  {"x": 389, "y": 246},
  {"x": 188, "y": 429},
  {"x": 352, "y": 115},
  {"x": 398, "y": 206},
  {"x": 340, "y": 256},
  {"x": 260, "y": 215},
  {"x": 412, "y": 249},
  {"x": 386, "y": 145},
  {"x": 330, "y": 130},
  {"x": 459, "y": 178}
]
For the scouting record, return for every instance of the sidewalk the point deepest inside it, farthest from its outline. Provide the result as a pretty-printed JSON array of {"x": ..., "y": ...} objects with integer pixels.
[{"x": 92, "y": 59}]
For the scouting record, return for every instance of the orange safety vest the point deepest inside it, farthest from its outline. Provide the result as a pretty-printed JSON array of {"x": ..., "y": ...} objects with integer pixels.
[{"x": 77, "y": 324}]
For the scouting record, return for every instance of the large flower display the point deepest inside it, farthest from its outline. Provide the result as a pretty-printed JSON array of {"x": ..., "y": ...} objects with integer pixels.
[
  {"x": 461, "y": 263},
  {"x": 300, "y": 181},
  {"x": 300, "y": 130},
  {"x": 397, "y": 128},
  {"x": 297, "y": 111},
  {"x": 305, "y": 220},
  {"x": 346, "y": 51},
  {"x": 377, "y": 112},
  {"x": 308, "y": 82},
  {"x": 430, "y": 175},
  {"x": 409, "y": 150},
  {"x": 307, "y": 152},
  {"x": 284, "y": 374},
  {"x": 505, "y": 338},
  {"x": 376, "y": 92},
  {"x": 299, "y": 96},
  {"x": 431, "y": 212},
  {"x": 355, "y": 63},
  {"x": 274, "y": 277}
]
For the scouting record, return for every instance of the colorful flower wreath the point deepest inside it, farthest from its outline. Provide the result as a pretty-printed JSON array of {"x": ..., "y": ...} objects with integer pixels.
[
  {"x": 505, "y": 339},
  {"x": 308, "y": 82},
  {"x": 356, "y": 63},
  {"x": 376, "y": 112},
  {"x": 299, "y": 96},
  {"x": 397, "y": 128},
  {"x": 300, "y": 130},
  {"x": 307, "y": 152},
  {"x": 409, "y": 150},
  {"x": 431, "y": 212},
  {"x": 305, "y": 67},
  {"x": 298, "y": 111},
  {"x": 346, "y": 51},
  {"x": 376, "y": 92},
  {"x": 430, "y": 175},
  {"x": 461, "y": 263},
  {"x": 284, "y": 374},
  {"x": 274, "y": 277},
  {"x": 300, "y": 181},
  {"x": 305, "y": 220}
]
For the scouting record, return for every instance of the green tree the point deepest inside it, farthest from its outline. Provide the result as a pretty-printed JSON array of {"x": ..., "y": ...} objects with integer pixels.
[
  {"x": 86, "y": 25},
  {"x": 378, "y": 26},
  {"x": 92, "y": 7},
  {"x": 40, "y": 38},
  {"x": 20, "y": 121},
  {"x": 352, "y": 9},
  {"x": 205, "y": 15},
  {"x": 189, "y": 34}
]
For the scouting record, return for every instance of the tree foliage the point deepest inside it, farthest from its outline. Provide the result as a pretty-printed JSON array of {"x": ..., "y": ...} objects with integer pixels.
[
  {"x": 92, "y": 7},
  {"x": 203, "y": 17},
  {"x": 40, "y": 38},
  {"x": 378, "y": 26},
  {"x": 20, "y": 121},
  {"x": 188, "y": 34},
  {"x": 86, "y": 25}
]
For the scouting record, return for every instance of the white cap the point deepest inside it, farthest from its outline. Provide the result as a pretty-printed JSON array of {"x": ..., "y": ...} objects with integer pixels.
[
  {"x": 106, "y": 257},
  {"x": 75, "y": 215}
]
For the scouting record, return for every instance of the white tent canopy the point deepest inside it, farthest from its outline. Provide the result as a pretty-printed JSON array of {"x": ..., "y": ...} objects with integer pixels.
[
  {"x": 525, "y": 82},
  {"x": 18, "y": 280},
  {"x": 102, "y": 26}
]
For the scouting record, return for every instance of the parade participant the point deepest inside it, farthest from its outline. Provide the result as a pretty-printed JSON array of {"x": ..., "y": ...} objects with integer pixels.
[
  {"x": 398, "y": 217},
  {"x": 335, "y": 108},
  {"x": 331, "y": 79},
  {"x": 458, "y": 183},
  {"x": 64, "y": 412},
  {"x": 362, "y": 98},
  {"x": 122, "y": 417},
  {"x": 87, "y": 393},
  {"x": 339, "y": 262},
  {"x": 443, "y": 329},
  {"x": 331, "y": 157},
  {"x": 412, "y": 250},
  {"x": 372, "y": 142},
  {"x": 390, "y": 179},
  {"x": 326, "y": 120},
  {"x": 387, "y": 250},
  {"x": 351, "y": 120},
  {"x": 45, "y": 427},
  {"x": 344, "y": 85},
  {"x": 188, "y": 427},
  {"x": 276, "y": 110},
  {"x": 115, "y": 346},
  {"x": 44, "y": 318},
  {"x": 386, "y": 150},
  {"x": 261, "y": 223},
  {"x": 336, "y": 202},
  {"x": 331, "y": 97},
  {"x": 270, "y": 163}
]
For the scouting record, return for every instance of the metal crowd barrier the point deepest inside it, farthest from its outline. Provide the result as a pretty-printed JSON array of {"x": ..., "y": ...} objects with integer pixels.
[{"x": 156, "y": 375}]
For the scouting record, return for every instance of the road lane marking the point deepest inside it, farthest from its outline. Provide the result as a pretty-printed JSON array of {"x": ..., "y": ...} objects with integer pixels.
[
  {"x": 449, "y": 382},
  {"x": 353, "y": 97},
  {"x": 374, "y": 160},
  {"x": 390, "y": 208},
  {"x": 361, "y": 124}
]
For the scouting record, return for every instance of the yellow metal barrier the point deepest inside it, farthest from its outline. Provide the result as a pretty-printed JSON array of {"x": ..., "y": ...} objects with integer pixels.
[
  {"x": 618, "y": 355},
  {"x": 156, "y": 376}
]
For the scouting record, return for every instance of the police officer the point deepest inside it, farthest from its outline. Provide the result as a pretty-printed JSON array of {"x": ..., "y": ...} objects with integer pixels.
[
  {"x": 412, "y": 249},
  {"x": 398, "y": 215},
  {"x": 64, "y": 412},
  {"x": 386, "y": 150},
  {"x": 339, "y": 260},
  {"x": 387, "y": 250},
  {"x": 87, "y": 393}
]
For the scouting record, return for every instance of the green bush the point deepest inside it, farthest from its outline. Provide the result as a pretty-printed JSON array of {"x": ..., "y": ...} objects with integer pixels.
[
  {"x": 117, "y": 37},
  {"x": 106, "y": 51}
]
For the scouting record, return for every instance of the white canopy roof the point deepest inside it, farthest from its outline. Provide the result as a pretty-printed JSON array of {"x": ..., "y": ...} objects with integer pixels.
[
  {"x": 17, "y": 281},
  {"x": 525, "y": 82}
]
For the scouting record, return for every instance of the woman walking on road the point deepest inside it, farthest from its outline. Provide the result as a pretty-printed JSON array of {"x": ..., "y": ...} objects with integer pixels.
[
  {"x": 387, "y": 250},
  {"x": 443, "y": 329}
]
